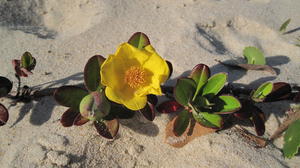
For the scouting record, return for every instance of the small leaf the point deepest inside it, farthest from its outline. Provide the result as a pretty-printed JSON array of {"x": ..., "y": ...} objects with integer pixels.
[
  {"x": 184, "y": 90},
  {"x": 262, "y": 91},
  {"x": 107, "y": 128},
  {"x": 246, "y": 111},
  {"x": 284, "y": 25},
  {"x": 170, "y": 69},
  {"x": 68, "y": 117},
  {"x": 226, "y": 104},
  {"x": 194, "y": 130},
  {"x": 3, "y": 115},
  {"x": 292, "y": 140},
  {"x": 94, "y": 106},
  {"x": 280, "y": 91},
  {"x": 148, "y": 111},
  {"x": 5, "y": 86},
  {"x": 258, "y": 120},
  {"x": 70, "y": 96},
  {"x": 27, "y": 61},
  {"x": 200, "y": 75},
  {"x": 214, "y": 85},
  {"x": 169, "y": 107},
  {"x": 208, "y": 119},
  {"x": 139, "y": 40},
  {"x": 254, "y": 56},
  {"x": 92, "y": 78},
  {"x": 181, "y": 123},
  {"x": 80, "y": 120},
  {"x": 152, "y": 99}
]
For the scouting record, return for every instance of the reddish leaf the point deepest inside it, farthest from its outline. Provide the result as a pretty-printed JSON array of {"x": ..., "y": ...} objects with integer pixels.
[
  {"x": 258, "y": 120},
  {"x": 107, "y": 128},
  {"x": 281, "y": 91},
  {"x": 148, "y": 111},
  {"x": 169, "y": 107},
  {"x": 3, "y": 115},
  {"x": 80, "y": 120},
  {"x": 5, "y": 86},
  {"x": 68, "y": 118},
  {"x": 170, "y": 69},
  {"x": 152, "y": 99},
  {"x": 246, "y": 111}
]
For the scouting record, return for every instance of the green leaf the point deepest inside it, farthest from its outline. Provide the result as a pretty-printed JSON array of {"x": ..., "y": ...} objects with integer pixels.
[
  {"x": 226, "y": 104},
  {"x": 202, "y": 104},
  {"x": 262, "y": 91},
  {"x": 94, "y": 106},
  {"x": 181, "y": 122},
  {"x": 200, "y": 75},
  {"x": 27, "y": 61},
  {"x": 92, "y": 78},
  {"x": 214, "y": 85},
  {"x": 284, "y": 25},
  {"x": 139, "y": 40},
  {"x": 208, "y": 119},
  {"x": 292, "y": 140},
  {"x": 184, "y": 90},
  {"x": 70, "y": 96},
  {"x": 254, "y": 56}
]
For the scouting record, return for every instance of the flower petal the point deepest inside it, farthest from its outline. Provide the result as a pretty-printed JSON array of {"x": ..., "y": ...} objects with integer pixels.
[{"x": 136, "y": 103}]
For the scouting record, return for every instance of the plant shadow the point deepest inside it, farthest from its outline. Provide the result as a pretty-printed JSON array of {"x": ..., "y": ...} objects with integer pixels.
[{"x": 42, "y": 108}]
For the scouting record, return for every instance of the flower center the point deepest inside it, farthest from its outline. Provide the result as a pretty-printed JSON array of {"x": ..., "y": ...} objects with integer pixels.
[{"x": 135, "y": 76}]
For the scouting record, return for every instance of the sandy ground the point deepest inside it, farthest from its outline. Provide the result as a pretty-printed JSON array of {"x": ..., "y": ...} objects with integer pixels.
[{"x": 64, "y": 34}]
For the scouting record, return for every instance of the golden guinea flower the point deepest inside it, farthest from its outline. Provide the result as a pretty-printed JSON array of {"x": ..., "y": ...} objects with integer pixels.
[{"x": 131, "y": 74}]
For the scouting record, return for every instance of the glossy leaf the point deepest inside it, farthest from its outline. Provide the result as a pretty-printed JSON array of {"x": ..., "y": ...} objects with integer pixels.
[
  {"x": 68, "y": 117},
  {"x": 208, "y": 119},
  {"x": 80, "y": 120},
  {"x": 254, "y": 56},
  {"x": 148, "y": 111},
  {"x": 292, "y": 140},
  {"x": 169, "y": 107},
  {"x": 181, "y": 123},
  {"x": 119, "y": 111},
  {"x": 70, "y": 96},
  {"x": 170, "y": 69},
  {"x": 284, "y": 25},
  {"x": 139, "y": 40},
  {"x": 280, "y": 91},
  {"x": 262, "y": 91},
  {"x": 184, "y": 90},
  {"x": 193, "y": 131},
  {"x": 3, "y": 115},
  {"x": 28, "y": 61},
  {"x": 107, "y": 128},
  {"x": 5, "y": 86},
  {"x": 92, "y": 78},
  {"x": 214, "y": 85},
  {"x": 94, "y": 106},
  {"x": 258, "y": 120},
  {"x": 225, "y": 104},
  {"x": 200, "y": 75}
]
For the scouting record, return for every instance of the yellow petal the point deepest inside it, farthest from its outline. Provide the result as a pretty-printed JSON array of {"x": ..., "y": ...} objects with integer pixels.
[
  {"x": 112, "y": 95},
  {"x": 136, "y": 103}
]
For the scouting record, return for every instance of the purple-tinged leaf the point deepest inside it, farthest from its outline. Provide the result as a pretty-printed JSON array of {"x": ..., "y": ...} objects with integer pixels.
[
  {"x": 107, "y": 128},
  {"x": 92, "y": 78},
  {"x": 68, "y": 117},
  {"x": 170, "y": 69},
  {"x": 3, "y": 115},
  {"x": 139, "y": 40},
  {"x": 148, "y": 111},
  {"x": 169, "y": 107},
  {"x": 152, "y": 99},
  {"x": 246, "y": 111},
  {"x": 258, "y": 120},
  {"x": 5, "y": 86},
  {"x": 280, "y": 91},
  {"x": 70, "y": 96},
  {"x": 80, "y": 120},
  {"x": 200, "y": 74},
  {"x": 181, "y": 123}
]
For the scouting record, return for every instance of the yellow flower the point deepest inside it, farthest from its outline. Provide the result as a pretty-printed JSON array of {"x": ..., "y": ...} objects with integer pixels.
[{"x": 131, "y": 74}]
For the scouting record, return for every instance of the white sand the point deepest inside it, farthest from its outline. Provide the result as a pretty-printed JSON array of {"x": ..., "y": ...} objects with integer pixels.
[{"x": 64, "y": 34}]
